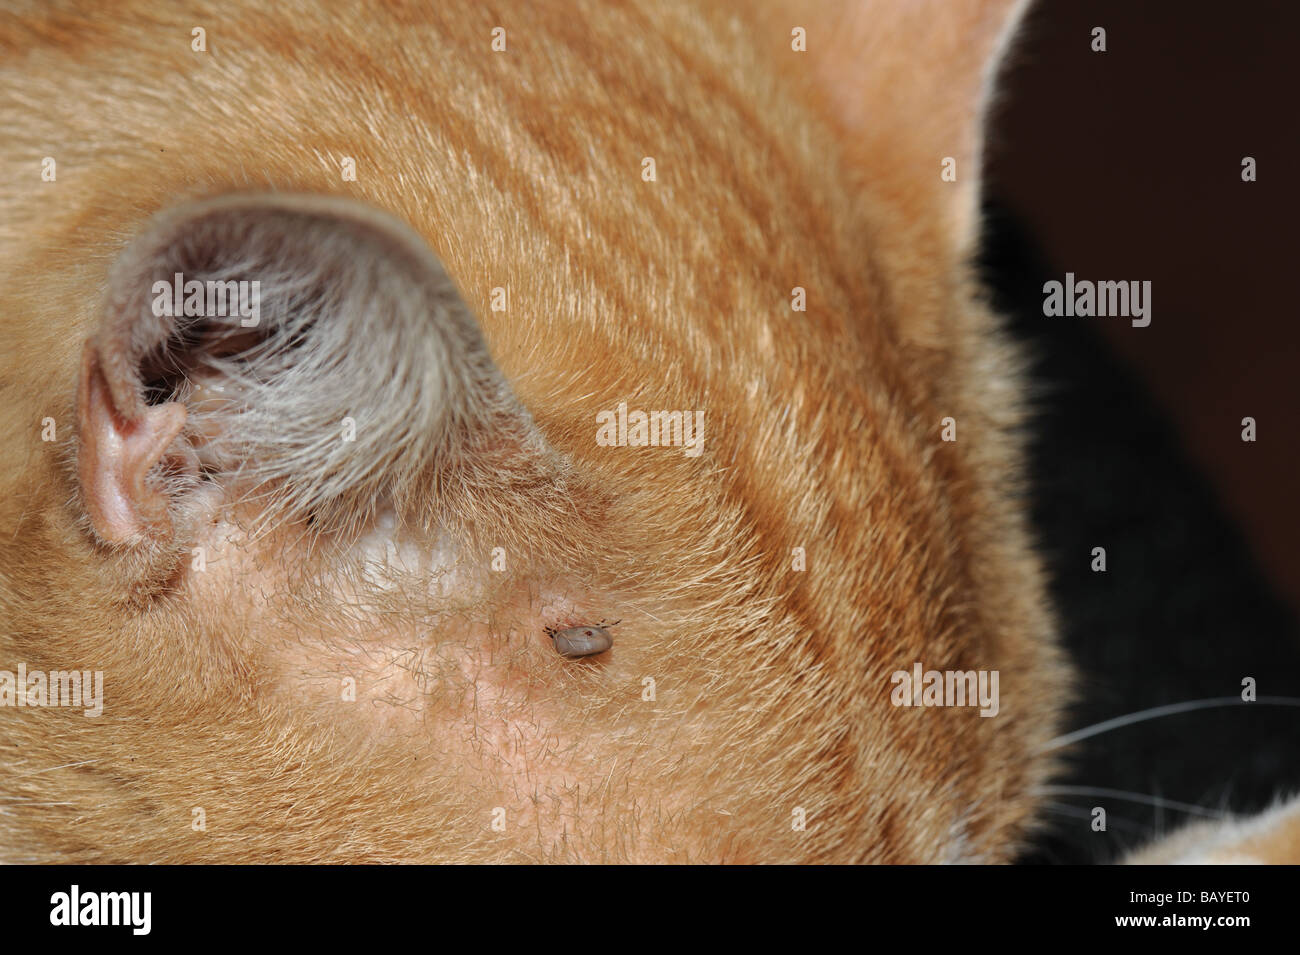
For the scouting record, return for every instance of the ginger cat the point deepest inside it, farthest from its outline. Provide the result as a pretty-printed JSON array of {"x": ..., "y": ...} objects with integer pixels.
[{"x": 599, "y": 418}]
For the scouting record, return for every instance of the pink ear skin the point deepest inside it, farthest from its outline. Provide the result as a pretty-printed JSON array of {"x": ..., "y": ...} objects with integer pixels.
[{"x": 115, "y": 455}]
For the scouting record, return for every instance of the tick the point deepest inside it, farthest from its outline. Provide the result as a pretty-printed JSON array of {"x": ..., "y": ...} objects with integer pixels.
[{"x": 582, "y": 641}]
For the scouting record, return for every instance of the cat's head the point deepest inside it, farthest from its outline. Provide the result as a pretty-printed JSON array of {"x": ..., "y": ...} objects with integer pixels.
[{"x": 509, "y": 324}]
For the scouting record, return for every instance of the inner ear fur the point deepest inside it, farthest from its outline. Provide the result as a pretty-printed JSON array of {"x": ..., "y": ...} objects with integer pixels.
[{"x": 359, "y": 374}]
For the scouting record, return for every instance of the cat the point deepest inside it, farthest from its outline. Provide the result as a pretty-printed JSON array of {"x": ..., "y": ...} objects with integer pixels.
[{"x": 313, "y": 319}]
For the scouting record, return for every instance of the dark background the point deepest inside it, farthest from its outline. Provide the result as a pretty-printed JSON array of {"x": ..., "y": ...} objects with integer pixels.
[{"x": 1126, "y": 165}]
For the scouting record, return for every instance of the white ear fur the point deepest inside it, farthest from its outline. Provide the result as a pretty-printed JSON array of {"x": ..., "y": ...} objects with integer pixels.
[{"x": 364, "y": 371}]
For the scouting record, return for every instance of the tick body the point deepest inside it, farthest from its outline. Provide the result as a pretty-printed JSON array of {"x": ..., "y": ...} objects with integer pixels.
[{"x": 576, "y": 642}]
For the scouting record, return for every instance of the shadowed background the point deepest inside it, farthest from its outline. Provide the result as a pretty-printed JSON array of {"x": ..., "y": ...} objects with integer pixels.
[{"x": 1126, "y": 165}]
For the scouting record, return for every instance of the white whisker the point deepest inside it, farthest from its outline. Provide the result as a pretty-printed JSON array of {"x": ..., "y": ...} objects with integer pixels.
[
  {"x": 1112, "y": 821},
  {"x": 1157, "y": 712},
  {"x": 1158, "y": 801}
]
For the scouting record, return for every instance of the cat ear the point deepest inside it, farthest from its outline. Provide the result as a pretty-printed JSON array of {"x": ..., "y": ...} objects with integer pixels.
[
  {"x": 305, "y": 354},
  {"x": 906, "y": 85}
]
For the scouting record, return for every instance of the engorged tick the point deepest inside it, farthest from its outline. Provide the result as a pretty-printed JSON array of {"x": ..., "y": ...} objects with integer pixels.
[{"x": 582, "y": 641}]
